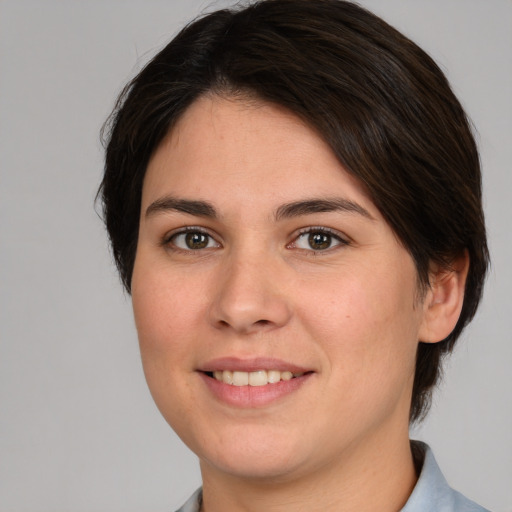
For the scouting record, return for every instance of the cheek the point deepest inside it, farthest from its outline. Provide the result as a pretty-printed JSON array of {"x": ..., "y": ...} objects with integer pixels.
[
  {"x": 165, "y": 307},
  {"x": 368, "y": 335},
  {"x": 164, "y": 312},
  {"x": 367, "y": 322},
  {"x": 367, "y": 303},
  {"x": 165, "y": 315}
]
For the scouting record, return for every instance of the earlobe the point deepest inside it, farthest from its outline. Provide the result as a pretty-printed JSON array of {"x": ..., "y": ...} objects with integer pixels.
[{"x": 443, "y": 301}]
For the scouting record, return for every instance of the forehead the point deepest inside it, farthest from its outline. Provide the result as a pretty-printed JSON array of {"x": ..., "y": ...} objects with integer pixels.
[{"x": 232, "y": 148}]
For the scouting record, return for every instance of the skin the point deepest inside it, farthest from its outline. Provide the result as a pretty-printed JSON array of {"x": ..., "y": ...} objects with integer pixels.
[{"x": 349, "y": 313}]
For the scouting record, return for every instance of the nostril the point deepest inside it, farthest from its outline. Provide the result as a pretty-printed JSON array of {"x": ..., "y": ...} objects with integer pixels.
[{"x": 259, "y": 323}]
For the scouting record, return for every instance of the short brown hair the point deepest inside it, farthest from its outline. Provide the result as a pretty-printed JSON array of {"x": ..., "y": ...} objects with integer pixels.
[{"x": 382, "y": 104}]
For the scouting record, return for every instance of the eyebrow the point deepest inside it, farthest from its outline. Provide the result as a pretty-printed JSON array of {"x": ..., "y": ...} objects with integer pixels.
[
  {"x": 285, "y": 211},
  {"x": 197, "y": 208},
  {"x": 309, "y": 206}
]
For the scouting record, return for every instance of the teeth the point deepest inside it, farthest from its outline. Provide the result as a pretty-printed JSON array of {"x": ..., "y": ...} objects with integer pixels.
[
  {"x": 273, "y": 376},
  {"x": 258, "y": 378},
  {"x": 240, "y": 378},
  {"x": 227, "y": 377}
]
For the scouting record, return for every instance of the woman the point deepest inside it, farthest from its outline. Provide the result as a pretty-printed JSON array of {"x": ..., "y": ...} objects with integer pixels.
[{"x": 293, "y": 197}]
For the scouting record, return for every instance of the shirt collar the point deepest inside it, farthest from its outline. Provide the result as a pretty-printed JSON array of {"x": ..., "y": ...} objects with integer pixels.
[
  {"x": 193, "y": 504},
  {"x": 432, "y": 491}
]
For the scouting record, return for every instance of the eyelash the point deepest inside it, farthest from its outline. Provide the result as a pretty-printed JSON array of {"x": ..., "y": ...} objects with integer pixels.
[
  {"x": 169, "y": 239},
  {"x": 335, "y": 235}
]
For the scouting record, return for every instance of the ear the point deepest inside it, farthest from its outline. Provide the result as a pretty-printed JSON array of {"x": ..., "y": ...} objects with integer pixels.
[{"x": 443, "y": 301}]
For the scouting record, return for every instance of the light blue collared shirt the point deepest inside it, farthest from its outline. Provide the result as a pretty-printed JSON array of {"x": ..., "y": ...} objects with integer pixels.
[{"x": 430, "y": 494}]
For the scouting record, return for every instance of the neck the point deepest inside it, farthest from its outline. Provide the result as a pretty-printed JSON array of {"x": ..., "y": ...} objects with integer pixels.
[{"x": 377, "y": 474}]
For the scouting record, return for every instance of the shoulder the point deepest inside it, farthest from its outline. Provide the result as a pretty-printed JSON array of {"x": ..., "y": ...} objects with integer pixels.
[{"x": 432, "y": 491}]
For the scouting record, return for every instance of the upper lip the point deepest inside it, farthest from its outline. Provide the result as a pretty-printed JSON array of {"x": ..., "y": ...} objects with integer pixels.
[{"x": 251, "y": 365}]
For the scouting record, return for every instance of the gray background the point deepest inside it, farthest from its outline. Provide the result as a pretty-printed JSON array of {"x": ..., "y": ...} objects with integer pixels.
[{"x": 78, "y": 429}]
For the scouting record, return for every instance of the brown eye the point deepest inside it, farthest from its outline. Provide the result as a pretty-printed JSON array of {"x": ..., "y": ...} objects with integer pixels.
[
  {"x": 196, "y": 240},
  {"x": 319, "y": 241},
  {"x": 193, "y": 241}
]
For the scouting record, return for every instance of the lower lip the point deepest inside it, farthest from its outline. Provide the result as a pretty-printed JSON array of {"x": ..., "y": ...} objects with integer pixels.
[{"x": 253, "y": 396}]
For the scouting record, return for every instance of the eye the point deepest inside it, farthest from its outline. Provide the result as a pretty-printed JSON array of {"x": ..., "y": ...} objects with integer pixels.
[
  {"x": 192, "y": 240},
  {"x": 318, "y": 239}
]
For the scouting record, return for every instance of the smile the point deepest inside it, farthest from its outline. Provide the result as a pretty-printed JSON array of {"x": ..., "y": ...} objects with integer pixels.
[{"x": 255, "y": 378}]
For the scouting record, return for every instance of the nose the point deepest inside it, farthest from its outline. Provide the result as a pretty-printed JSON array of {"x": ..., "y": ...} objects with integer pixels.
[{"x": 251, "y": 296}]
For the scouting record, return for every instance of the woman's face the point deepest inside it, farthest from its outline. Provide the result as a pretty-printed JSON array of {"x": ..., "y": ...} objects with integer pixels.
[{"x": 259, "y": 259}]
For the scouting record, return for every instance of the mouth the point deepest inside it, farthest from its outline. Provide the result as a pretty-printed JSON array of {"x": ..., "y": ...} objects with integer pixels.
[
  {"x": 253, "y": 378},
  {"x": 255, "y": 382}
]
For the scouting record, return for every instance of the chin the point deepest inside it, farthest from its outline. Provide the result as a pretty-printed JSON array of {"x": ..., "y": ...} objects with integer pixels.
[
  {"x": 262, "y": 467},
  {"x": 254, "y": 454}
]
